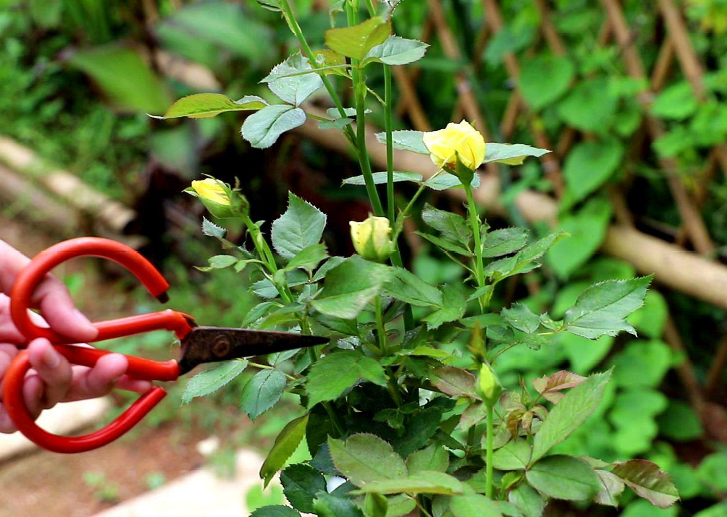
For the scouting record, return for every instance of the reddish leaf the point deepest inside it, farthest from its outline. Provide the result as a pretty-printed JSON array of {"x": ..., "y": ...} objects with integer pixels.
[
  {"x": 550, "y": 387},
  {"x": 645, "y": 478}
]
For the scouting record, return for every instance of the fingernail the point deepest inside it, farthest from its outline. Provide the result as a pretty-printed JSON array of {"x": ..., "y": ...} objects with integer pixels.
[{"x": 51, "y": 358}]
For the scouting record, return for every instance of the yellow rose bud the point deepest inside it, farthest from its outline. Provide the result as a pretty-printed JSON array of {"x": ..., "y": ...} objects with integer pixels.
[
  {"x": 456, "y": 139},
  {"x": 372, "y": 238},
  {"x": 219, "y": 198},
  {"x": 211, "y": 190},
  {"x": 488, "y": 385}
]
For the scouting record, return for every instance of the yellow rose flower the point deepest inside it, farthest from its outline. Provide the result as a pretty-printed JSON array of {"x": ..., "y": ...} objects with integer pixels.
[
  {"x": 211, "y": 190},
  {"x": 444, "y": 145},
  {"x": 372, "y": 238}
]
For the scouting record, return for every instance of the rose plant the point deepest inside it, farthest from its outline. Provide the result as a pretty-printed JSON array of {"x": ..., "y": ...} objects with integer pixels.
[{"x": 404, "y": 404}]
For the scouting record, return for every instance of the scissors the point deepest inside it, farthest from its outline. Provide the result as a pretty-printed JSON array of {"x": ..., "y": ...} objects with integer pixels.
[{"x": 199, "y": 345}]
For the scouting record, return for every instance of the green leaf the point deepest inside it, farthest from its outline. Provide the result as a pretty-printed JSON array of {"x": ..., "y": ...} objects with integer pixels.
[
  {"x": 309, "y": 257},
  {"x": 334, "y": 373},
  {"x": 569, "y": 414},
  {"x": 262, "y": 392},
  {"x": 473, "y": 505},
  {"x": 445, "y": 180},
  {"x": 350, "y": 286},
  {"x": 262, "y": 129},
  {"x": 285, "y": 445},
  {"x": 564, "y": 477},
  {"x": 222, "y": 261},
  {"x": 511, "y": 154},
  {"x": 299, "y": 227},
  {"x": 434, "y": 458},
  {"x": 454, "y": 381},
  {"x": 211, "y": 380},
  {"x": 611, "y": 488},
  {"x": 515, "y": 455},
  {"x": 543, "y": 79},
  {"x": 519, "y": 316},
  {"x": 445, "y": 244},
  {"x": 207, "y": 105},
  {"x": 589, "y": 106},
  {"x": 275, "y": 510},
  {"x": 645, "y": 478},
  {"x": 504, "y": 241},
  {"x": 293, "y": 80},
  {"x": 364, "y": 459},
  {"x": 301, "y": 483},
  {"x": 328, "y": 505},
  {"x": 527, "y": 500},
  {"x": 524, "y": 260},
  {"x": 407, "y": 287},
  {"x": 423, "y": 482},
  {"x": 551, "y": 387},
  {"x": 406, "y": 140},
  {"x": 381, "y": 178},
  {"x": 602, "y": 308},
  {"x": 355, "y": 42},
  {"x": 396, "y": 51},
  {"x": 452, "y": 226},
  {"x": 125, "y": 78},
  {"x": 453, "y": 308},
  {"x": 212, "y": 230},
  {"x": 675, "y": 102},
  {"x": 587, "y": 230},
  {"x": 590, "y": 164}
]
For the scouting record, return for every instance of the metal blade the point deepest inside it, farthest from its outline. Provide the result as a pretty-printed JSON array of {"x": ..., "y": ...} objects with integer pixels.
[{"x": 214, "y": 344}]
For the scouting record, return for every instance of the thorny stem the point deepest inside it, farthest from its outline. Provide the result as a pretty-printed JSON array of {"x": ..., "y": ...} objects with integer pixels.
[
  {"x": 475, "y": 224},
  {"x": 383, "y": 351},
  {"x": 389, "y": 144},
  {"x": 490, "y": 448}
]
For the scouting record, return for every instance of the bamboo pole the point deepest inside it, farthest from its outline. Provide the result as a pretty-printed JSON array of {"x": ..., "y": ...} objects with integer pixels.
[{"x": 67, "y": 187}]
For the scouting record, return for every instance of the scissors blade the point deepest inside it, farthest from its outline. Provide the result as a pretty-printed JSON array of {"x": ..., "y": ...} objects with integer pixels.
[{"x": 214, "y": 344}]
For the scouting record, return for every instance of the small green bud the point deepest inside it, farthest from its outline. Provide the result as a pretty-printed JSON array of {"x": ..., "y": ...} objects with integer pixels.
[
  {"x": 372, "y": 238},
  {"x": 489, "y": 386}
]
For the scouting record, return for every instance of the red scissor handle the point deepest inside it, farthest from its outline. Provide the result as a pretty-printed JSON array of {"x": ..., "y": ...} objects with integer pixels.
[{"x": 139, "y": 368}]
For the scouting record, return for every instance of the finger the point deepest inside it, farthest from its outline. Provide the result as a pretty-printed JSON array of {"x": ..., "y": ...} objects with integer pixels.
[
  {"x": 33, "y": 393},
  {"x": 137, "y": 386},
  {"x": 7, "y": 354},
  {"x": 58, "y": 309},
  {"x": 6, "y": 425},
  {"x": 99, "y": 380},
  {"x": 53, "y": 369}
]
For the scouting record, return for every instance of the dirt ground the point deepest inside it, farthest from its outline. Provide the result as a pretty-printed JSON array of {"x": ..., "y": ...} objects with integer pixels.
[{"x": 51, "y": 485}]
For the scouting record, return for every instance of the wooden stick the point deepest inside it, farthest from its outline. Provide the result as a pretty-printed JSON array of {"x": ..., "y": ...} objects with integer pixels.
[
  {"x": 413, "y": 106},
  {"x": 689, "y": 60},
  {"x": 551, "y": 165},
  {"x": 691, "y": 217},
  {"x": 466, "y": 95}
]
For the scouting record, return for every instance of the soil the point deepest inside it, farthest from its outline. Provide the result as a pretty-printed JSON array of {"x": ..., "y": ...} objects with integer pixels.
[{"x": 51, "y": 485}]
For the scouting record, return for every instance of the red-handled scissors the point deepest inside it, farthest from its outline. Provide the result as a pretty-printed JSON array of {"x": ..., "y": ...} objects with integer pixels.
[{"x": 199, "y": 344}]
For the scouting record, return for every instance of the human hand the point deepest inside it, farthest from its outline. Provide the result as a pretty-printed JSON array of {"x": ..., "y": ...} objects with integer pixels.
[{"x": 52, "y": 378}]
